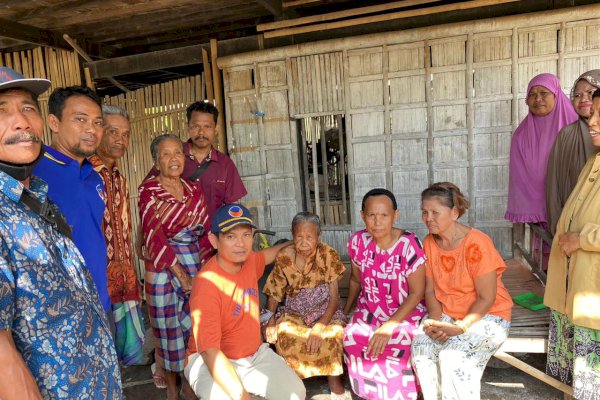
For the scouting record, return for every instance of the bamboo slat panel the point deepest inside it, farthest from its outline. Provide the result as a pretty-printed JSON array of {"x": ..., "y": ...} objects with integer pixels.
[
  {"x": 317, "y": 82},
  {"x": 61, "y": 67},
  {"x": 153, "y": 110}
]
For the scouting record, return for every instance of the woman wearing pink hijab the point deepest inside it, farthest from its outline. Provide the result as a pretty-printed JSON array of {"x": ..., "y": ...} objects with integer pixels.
[{"x": 549, "y": 111}]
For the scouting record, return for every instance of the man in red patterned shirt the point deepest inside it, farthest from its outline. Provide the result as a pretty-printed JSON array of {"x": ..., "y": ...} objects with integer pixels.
[{"x": 123, "y": 284}]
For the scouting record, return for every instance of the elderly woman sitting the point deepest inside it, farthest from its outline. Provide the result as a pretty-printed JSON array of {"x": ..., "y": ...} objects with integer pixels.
[
  {"x": 174, "y": 215},
  {"x": 308, "y": 329},
  {"x": 469, "y": 307}
]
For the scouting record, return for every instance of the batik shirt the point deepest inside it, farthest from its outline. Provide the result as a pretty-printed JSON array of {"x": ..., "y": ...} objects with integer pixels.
[{"x": 49, "y": 303}]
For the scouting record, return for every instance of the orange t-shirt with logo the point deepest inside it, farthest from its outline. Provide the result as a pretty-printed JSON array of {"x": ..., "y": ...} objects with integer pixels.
[
  {"x": 454, "y": 273},
  {"x": 225, "y": 309}
]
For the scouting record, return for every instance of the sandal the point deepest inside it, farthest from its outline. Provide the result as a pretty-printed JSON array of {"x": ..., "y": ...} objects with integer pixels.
[{"x": 159, "y": 380}]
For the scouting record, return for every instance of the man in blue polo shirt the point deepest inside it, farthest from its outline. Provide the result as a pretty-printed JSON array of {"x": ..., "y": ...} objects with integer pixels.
[{"x": 75, "y": 119}]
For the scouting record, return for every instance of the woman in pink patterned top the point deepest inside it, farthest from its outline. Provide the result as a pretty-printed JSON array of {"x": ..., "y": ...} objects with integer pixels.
[{"x": 388, "y": 269}]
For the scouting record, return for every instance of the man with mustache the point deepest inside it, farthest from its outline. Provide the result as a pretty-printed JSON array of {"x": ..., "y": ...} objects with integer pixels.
[
  {"x": 123, "y": 284},
  {"x": 54, "y": 338},
  {"x": 75, "y": 119}
]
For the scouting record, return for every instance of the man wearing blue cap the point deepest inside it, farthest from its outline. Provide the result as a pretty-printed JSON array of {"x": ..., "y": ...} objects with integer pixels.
[
  {"x": 226, "y": 356},
  {"x": 54, "y": 338}
]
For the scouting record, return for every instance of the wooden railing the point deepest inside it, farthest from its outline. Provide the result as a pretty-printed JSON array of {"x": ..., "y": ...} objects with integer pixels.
[{"x": 528, "y": 243}]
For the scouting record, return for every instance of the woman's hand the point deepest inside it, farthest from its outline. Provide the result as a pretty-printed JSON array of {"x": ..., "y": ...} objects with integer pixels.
[
  {"x": 313, "y": 344},
  {"x": 186, "y": 283},
  {"x": 441, "y": 331},
  {"x": 271, "y": 331},
  {"x": 380, "y": 338},
  {"x": 568, "y": 243}
]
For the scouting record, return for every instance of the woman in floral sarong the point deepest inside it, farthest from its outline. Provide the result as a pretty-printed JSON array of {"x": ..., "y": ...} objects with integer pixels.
[
  {"x": 173, "y": 214},
  {"x": 388, "y": 269},
  {"x": 307, "y": 329}
]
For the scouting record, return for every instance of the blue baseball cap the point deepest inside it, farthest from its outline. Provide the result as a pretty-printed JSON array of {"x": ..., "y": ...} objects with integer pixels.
[
  {"x": 10, "y": 78},
  {"x": 229, "y": 216}
]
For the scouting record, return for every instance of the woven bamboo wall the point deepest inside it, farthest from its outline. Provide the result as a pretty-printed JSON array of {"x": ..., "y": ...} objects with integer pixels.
[
  {"x": 153, "y": 110},
  {"x": 425, "y": 106},
  {"x": 61, "y": 67}
]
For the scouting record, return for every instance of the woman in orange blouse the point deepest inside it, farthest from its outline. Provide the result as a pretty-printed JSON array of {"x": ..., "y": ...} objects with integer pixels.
[{"x": 469, "y": 307}]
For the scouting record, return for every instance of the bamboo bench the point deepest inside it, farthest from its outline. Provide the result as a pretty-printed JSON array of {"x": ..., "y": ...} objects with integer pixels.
[{"x": 529, "y": 329}]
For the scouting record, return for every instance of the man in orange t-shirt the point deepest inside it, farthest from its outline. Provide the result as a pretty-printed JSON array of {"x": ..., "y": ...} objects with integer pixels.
[{"x": 226, "y": 356}]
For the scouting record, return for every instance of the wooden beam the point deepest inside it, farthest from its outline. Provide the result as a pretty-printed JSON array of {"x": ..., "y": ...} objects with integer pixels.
[
  {"x": 296, "y": 3},
  {"x": 218, "y": 89},
  {"x": 273, "y": 6},
  {"x": 31, "y": 34},
  {"x": 386, "y": 17},
  {"x": 146, "y": 62},
  {"x": 87, "y": 58},
  {"x": 341, "y": 14},
  {"x": 210, "y": 94}
]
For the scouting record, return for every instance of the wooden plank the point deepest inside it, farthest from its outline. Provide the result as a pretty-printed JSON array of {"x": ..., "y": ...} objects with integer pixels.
[
  {"x": 88, "y": 79},
  {"x": 384, "y": 17},
  {"x": 273, "y": 6},
  {"x": 296, "y": 3},
  {"x": 210, "y": 95},
  {"x": 32, "y": 34},
  {"x": 341, "y": 14},
  {"x": 218, "y": 92}
]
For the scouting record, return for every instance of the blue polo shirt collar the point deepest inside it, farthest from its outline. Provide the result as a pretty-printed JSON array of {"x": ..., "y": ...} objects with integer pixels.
[{"x": 62, "y": 159}]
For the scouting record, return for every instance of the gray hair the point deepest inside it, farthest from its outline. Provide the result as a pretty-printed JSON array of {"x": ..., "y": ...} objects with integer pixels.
[
  {"x": 308, "y": 217},
  {"x": 158, "y": 140},
  {"x": 109, "y": 109}
]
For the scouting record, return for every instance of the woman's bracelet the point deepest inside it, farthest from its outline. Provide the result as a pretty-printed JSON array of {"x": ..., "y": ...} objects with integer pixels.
[{"x": 462, "y": 325}]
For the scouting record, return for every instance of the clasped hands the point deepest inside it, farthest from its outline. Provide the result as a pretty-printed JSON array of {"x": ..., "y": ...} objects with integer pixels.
[{"x": 439, "y": 330}]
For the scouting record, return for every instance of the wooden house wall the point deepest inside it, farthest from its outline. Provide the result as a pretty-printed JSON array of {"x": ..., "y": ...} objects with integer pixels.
[
  {"x": 420, "y": 107},
  {"x": 61, "y": 67}
]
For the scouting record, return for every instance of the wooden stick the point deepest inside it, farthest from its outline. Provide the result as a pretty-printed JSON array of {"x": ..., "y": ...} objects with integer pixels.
[
  {"x": 210, "y": 95},
  {"x": 340, "y": 14},
  {"x": 296, "y": 3},
  {"x": 536, "y": 373},
  {"x": 384, "y": 17},
  {"x": 218, "y": 90},
  {"x": 87, "y": 58}
]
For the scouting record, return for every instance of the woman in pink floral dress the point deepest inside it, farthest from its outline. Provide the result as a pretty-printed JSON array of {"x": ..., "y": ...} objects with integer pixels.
[{"x": 388, "y": 269}]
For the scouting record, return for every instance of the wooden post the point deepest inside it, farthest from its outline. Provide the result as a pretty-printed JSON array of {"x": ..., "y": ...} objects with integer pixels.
[
  {"x": 210, "y": 94},
  {"x": 328, "y": 215},
  {"x": 218, "y": 90},
  {"x": 89, "y": 82},
  {"x": 342, "y": 169}
]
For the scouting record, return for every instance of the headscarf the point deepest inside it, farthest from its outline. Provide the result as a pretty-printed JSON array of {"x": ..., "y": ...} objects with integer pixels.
[
  {"x": 530, "y": 146},
  {"x": 571, "y": 150}
]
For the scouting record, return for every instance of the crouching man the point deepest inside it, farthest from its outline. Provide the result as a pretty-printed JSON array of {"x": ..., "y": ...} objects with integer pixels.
[{"x": 226, "y": 357}]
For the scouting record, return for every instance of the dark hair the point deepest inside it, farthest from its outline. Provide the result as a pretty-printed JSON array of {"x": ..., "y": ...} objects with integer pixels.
[
  {"x": 379, "y": 192},
  {"x": 596, "y": 94},
  {"x": 56, "y": 102},
  {"x": 307, "y": 217},
  {"x": 203, "y": 107},
  {"x": 158, "y": 140},
  {"x": 449, "y": 194}
]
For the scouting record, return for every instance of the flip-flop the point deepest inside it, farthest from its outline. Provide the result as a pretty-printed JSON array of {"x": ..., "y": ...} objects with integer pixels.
[{"x": 159, "y": 380}]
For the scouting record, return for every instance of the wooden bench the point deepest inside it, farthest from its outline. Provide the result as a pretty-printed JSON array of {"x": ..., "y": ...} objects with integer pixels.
[{"x": 529, "y": 329}]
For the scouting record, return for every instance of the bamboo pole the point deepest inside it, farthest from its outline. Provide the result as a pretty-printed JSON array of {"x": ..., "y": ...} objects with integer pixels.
[
  {"x": 87, "y": 58},
  {"x": 218, "y": 90},
  {"x": 340, "y": 14},
  {"x": 89, "y": 82},
  {"x": 385, "y": 17}
]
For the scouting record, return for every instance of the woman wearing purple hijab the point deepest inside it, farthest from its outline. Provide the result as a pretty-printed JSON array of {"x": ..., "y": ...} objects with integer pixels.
[{"x": 549, "y": 111}]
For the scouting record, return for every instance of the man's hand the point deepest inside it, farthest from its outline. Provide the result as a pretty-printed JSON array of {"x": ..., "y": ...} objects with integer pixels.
[
  {"x": 313, "y": 344},
  {"x": 380, "y": 338}
]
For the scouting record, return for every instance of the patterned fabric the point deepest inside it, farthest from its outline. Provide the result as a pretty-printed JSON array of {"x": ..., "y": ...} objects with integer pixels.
[
  {"x": 168, "y": 305},
  {"x": 452, "y": 370},
  {"x": 306, "y": 296},
  {"x": 50, "y": 304},
  {"x": 384, "y": 286},
  {"x": 163, "y": 217},
  {"x": 574, "y": 356},
  {"x": 129, "y": 332},
  {"x": 123, "y": 284}
]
